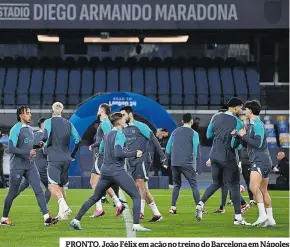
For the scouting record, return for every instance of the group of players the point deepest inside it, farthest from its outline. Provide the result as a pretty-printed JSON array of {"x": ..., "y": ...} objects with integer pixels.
[{"x": 121, "y": 138}]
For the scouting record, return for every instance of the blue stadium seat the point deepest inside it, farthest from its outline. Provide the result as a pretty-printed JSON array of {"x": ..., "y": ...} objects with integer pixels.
[
  {"x": 189, "y": 86},
  {"x": 23, "y": 86},
  {"x": 138, "y": 81},
  {"x": 150, "y": 83},
  {"x": 125, "y": 80},
  {"x": 227, "y": 82},
  {"x": 163, "y": 86},
  {"x": 176, "y": 86},
  {"x": 112, "y": 80},
  {"x": 87, "y": 83},
  {"x": 240, "y": 83},
  {"x": 2, "y": 77},
  {"x": 74, "y": 87},
  {"x": 100, "y": 80},
  {"x": 253, "y": 83},
  {"x": 61, "y": 85},
  {"x": 10, "y": 86},
  {"x": 35, "y": 87},
  {"x": 202, "y": 86},
  {"x": 214, "y": 86},
  {"x": 48, "y": 86}
]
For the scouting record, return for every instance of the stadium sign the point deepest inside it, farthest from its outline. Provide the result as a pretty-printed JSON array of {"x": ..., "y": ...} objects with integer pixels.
[
  {"x": 122, "y": 101},
  {"x": 127, "y": 14}
]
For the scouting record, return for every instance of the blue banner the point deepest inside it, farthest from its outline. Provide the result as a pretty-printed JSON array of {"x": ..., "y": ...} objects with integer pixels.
[
  {"x": 149, "y": 14},
  {"x": 144, "y": 107}
]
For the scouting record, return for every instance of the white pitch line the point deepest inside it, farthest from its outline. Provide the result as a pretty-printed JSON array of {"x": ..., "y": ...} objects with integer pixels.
[{"x": 127, "y": 218}]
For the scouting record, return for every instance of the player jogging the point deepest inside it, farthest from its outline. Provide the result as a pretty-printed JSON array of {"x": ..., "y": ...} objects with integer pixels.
[
  {"x": 105, "y": 127},
  {"x": 22, "y": 164},
  {"x": 183, "y": 145},
  {"x": 58, "y": 131},
  {"x": 138, "y": 136},
  {"x": 261, "y": 162},
  {"x": 113, "y": 172},
  {"x": 40, "y": 161}
]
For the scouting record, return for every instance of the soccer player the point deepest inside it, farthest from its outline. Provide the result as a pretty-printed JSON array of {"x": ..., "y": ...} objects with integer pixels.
[
  {"x": 183, "y": 146},
  {"x": 105, "y": 127},
  {"x": 113, "y": 172},
  {"x": 246, "y": 171},
  {"x": 261, "y": 162},
  {"x": 22, "y": 164},
  {"x": 138, "y": 136},
  {"x": 224, "y": 194},
  {"x": 223, "y": 157},
  {"x": 41, "y": 162},
  {"x": 57, "y": 132}
]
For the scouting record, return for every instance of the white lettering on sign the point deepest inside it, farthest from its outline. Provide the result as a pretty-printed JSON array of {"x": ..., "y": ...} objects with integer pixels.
[
  {"x": 14, "y": 11},
  {"x": 196, "y": 12},
  {"x": 127, "y": 12}
]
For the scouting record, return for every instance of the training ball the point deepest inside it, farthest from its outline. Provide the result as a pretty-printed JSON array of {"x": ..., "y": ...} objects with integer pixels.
[{"x": 242, "y": 189}]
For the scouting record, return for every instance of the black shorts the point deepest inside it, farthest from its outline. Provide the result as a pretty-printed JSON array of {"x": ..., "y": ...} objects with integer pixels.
[
  {"x": 139, "y": 170},
  {"x": 97, "y": 165},
  {"x": 57, "y": 172},
  {"x": 263, "y": 170}
]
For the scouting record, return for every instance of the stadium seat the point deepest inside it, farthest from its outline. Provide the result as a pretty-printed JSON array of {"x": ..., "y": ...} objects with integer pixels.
[
  {"x": 176, "y": 86},
  {"x": 202, "y": 86},
  {"x": 150, "y": 83},
  {"x": 163, "y": 86},
  {"x": 240, "y": 83},
  {"x": 74, "y": 87},
  {"x": 138, "y": 81},
  {"x": 227, "y": 83},
  {"x": 87, "y": 83},
  {"x": 10, "y": 86},
  {"x": 100, "y": 81},
  {"x": 189, "y": 86},
  {"x": 253, "y": 83},
  {"x": 48, "y": 86},
  {"x": 125, "y": 80},
  {"x": 2, "y": 77},
  {"x": 35, "y": 87},
  {"x": 214, "y": 86},
  {"x": 61, "y": 85},
  {"x": 22, "y": 89},
  {"x": 112, "y": 80}
]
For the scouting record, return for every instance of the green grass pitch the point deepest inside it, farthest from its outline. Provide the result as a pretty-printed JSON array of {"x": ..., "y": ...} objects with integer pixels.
[{"x": 30, "y": 231}]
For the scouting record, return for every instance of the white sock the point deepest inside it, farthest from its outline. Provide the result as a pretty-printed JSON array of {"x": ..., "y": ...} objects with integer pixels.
[
  {"x": 173, "y": 207},
  {"x": 116, "y": 201},
  {"x": 136, "y": 225},
  {"x": 3, "y": 219},
  {"x": 62, "y": 206},
  {"x": 99, "y": 205},
  {"x": 103, "y": 197},
  {"x": 154, "y": 208},
  {"x": 142, "y": 206},
  {"x": 201, "y": 204},
  {"x": 45, "y": 217},
  {"x": 238, "y": 217},
  {"x": 262, "y": 212},
  {"x": 77, "y": 221},
  {"x": 269, "y": 212}
]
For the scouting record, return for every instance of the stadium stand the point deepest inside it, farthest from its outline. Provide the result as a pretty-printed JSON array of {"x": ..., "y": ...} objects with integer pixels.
[{"x": 205, "y": 82}]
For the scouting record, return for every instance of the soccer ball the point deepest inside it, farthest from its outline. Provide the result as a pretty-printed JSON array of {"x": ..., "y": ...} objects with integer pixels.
[{"x": 242, "y": 189}]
